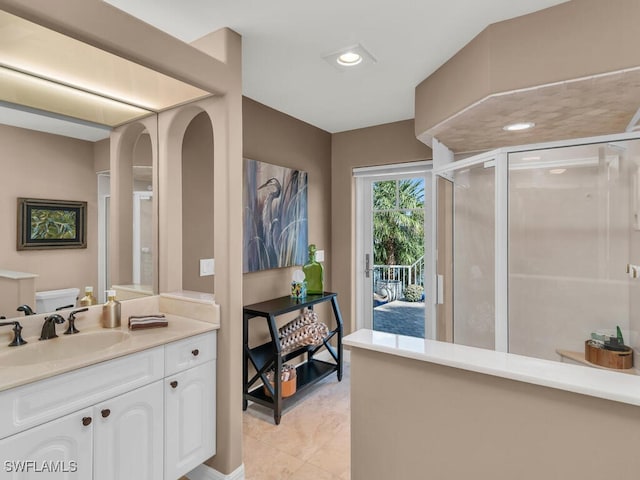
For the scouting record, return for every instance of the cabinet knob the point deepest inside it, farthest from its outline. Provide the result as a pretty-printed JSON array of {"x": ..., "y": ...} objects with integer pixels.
[
  {"x": 86, "y": 421},
  {"x": 195, "y": 352},
  {"x": 174, "y": 384},
  {"x": 105, "y": 413}
]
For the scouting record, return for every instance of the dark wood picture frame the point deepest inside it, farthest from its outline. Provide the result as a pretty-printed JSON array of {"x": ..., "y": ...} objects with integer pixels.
[{"x": 51, "y": 224}]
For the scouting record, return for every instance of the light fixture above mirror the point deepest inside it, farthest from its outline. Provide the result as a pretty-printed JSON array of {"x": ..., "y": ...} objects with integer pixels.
[{"x": 33, "y": 56}]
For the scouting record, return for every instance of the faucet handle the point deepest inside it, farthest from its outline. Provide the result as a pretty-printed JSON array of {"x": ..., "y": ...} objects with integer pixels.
[
  {"x": 64, "y": 307},
  {"x": 17, "y": 333},
  {"x": 71, "y": 329}
]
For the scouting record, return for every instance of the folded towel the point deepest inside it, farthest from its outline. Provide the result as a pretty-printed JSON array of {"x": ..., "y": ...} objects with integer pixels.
[{"x": 147, "y": 321}]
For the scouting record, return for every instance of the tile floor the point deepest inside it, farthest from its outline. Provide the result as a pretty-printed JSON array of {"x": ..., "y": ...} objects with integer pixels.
[{"x": 312, "y": 441}]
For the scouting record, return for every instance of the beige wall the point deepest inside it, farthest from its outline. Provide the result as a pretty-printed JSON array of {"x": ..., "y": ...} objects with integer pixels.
[
  {"x": 379, "y": 145},
  {"x": 431, "y": 421},
  {"x": 101, "y": 155},
  {"x": 571, "y": 40},
  {"x": 276, "y": 138},
  {"x": 226, "y": 119},
  {"x": 42, "y": 165},
  {"x": 197, "y": 203}
]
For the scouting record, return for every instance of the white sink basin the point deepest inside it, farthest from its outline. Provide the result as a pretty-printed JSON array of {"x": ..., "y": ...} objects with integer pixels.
[{"x": 62, "y": 348}]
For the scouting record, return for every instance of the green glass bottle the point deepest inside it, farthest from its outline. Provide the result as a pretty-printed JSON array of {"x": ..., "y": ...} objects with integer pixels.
[{"x": 313, "y": 273}]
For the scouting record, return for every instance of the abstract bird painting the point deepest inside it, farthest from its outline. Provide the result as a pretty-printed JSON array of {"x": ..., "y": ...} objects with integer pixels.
[{"x": 275, "y": 216}]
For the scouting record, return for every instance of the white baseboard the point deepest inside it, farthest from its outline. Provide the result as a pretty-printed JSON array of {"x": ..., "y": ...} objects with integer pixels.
[{"x": 204, "y": 472}]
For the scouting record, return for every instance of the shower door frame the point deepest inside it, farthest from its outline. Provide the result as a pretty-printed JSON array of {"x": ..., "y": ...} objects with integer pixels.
[{"x": 499, "y": 159}]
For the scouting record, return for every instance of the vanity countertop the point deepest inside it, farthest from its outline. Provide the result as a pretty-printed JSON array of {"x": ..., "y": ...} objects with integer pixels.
[
  {"x": 595, "y": 382},
  {"x": 179, "y": 327}
]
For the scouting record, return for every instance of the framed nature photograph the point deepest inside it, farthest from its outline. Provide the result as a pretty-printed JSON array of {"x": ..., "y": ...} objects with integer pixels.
[{"x": 45, "y": 224}]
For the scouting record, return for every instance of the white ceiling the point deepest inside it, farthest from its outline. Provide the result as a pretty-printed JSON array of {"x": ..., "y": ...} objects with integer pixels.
[{"x": 284, "y": 42}]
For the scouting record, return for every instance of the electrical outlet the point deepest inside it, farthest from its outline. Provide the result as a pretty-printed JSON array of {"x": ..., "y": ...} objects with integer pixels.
[
  {"x": 319, "y": 255},
  {"x": 207, "y": 267}
]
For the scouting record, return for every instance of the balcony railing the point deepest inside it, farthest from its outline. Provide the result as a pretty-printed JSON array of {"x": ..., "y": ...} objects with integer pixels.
[{"x": 395, "y": 278}]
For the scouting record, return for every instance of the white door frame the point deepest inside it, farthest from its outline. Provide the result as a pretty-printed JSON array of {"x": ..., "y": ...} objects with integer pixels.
[{"x": 364, "y": 178}]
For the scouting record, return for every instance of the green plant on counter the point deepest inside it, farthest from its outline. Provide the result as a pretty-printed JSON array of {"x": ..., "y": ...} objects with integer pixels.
[{"x": 413, "y": 293}]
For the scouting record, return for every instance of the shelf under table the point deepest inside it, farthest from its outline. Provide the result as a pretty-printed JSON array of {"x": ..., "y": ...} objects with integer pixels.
[{"x": 307, "y": 374}]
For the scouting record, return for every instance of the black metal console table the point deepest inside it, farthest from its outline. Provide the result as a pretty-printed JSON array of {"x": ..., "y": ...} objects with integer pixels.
[{"x": 268, "y": 355}]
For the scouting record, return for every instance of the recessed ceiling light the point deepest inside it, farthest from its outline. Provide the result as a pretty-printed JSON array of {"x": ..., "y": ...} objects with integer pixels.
[
  {"x": 557, "y": 171},
  {"x": 516, "y": 127},
  {"x": 349, "y": 59}
]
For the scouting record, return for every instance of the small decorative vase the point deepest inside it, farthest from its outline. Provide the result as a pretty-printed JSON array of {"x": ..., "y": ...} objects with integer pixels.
[
  {"x": 298, "y": 290},
  {"x": 313, "y": 273}
]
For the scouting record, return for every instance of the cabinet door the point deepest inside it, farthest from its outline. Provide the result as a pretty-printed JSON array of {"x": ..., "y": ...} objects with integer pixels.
[
  {"x": 190, "y": 419},
  {"x": 60, "y": 450},
  {"x": 128, "y": 436}
]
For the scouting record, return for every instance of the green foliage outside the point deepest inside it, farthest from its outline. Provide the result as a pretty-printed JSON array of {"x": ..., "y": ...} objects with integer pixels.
[
  {"x": 413, "y": 293},
  {"x": 398, "y": 221},
  {"x": 52, "y": 224}
]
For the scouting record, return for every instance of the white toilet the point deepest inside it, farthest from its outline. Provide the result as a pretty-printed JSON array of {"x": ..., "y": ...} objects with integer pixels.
[{"x": 50, "y": 300}]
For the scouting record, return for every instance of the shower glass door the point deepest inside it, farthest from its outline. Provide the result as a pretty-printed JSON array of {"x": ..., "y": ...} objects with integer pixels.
[
  {"x": 571, "y": 235},
  {"x": 465, "y": 262}
]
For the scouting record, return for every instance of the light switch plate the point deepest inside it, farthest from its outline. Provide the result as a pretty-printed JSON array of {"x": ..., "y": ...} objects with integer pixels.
[
  {"x": 207, "y": 267},
  {"x": 319, "y": 255}
]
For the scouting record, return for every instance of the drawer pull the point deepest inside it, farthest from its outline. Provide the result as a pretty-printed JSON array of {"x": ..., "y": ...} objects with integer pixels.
[
  {"x": 86, "y": 421},
  {"x": 195, "y": 352},
  {"x": 105, "y": 413},
  {"x": 174, "y": 384}
]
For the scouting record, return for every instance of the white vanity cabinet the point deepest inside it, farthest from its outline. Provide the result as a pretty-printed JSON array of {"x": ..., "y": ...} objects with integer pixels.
[
  {"x": 189, "y": 405},
  {"x": 145, "y": 416},
  {"x": 128, "y": 437},
  {"x": 63, "y": 446}
]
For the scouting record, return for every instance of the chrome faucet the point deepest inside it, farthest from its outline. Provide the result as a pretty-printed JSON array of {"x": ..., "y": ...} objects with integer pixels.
[
  {"x": 49, "y": 326},
  {"x": 17, "y": 337}
]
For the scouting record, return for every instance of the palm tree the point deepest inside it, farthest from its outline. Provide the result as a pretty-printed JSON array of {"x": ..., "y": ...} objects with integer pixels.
[{"x": 398, "y": 221}]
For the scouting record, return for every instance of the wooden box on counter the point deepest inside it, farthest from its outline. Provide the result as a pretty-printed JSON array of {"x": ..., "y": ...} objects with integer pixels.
[{"x": 608, "y": 358}]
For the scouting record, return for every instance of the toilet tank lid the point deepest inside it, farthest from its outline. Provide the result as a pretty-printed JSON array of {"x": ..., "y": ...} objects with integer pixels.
[{"x": 57, "y": 293}]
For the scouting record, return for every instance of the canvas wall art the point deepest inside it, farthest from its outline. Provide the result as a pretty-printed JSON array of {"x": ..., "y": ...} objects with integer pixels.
[{"x": 275, "y": 216}]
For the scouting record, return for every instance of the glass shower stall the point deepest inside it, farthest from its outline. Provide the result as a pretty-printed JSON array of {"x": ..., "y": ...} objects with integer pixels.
[{"x": 535, "y": 244}]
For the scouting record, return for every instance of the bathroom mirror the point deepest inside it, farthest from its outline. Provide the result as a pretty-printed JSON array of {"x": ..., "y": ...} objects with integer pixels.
[
  {"x": 59, "y": 159},
  {"x": 51, "y": 88}
]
